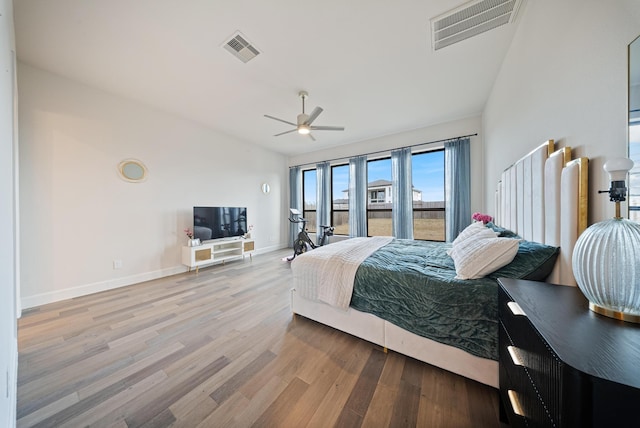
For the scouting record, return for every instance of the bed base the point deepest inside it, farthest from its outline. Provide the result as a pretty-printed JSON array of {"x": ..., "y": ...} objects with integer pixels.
[{"x": 380, "y": 332}]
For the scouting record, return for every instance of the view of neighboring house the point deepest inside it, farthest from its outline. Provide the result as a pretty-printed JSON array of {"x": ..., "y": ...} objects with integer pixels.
[
  {"x": 428, "y": 215},
  {"x": 379, "y": 192}
]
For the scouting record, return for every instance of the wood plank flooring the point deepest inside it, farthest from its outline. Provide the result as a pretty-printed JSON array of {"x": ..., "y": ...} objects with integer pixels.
[{"x": 220, "y": 348}]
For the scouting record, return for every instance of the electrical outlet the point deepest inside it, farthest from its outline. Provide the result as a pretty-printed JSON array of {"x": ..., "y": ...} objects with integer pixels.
[{"x": 117, "y": 264}]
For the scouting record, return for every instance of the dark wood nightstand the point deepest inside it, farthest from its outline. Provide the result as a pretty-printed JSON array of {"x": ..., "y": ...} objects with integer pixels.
[{"x": 563, "y": 365}]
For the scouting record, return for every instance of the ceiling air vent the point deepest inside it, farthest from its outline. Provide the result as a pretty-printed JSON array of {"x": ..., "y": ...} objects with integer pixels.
[
  {"x": 471, "y": 19},
  {"x": 241, "y": 48}
]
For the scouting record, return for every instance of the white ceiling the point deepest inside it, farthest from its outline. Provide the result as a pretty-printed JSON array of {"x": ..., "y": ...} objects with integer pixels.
[{"x": 368, "y": 63}]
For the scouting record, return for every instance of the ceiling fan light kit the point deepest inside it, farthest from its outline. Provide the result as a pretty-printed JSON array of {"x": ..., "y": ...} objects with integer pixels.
[
  {"x": 304, "y": 121},
  {"x": 304, "y": 129}
]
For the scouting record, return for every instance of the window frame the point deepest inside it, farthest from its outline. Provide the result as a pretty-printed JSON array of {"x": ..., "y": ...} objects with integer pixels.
[
  {"x": 389, "y": 210},
  {"x": 333, "y": 222},
  {"x": 443, "y": 209},
  {"x": 304, "y": 206}
]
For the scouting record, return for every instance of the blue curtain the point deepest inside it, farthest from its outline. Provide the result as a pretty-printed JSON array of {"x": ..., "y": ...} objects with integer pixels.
[
  {"x": 323, "y": 197},
  {"x": 402, "y": 193},
  {"x": 358, "y": 196},
  {"x": 295, "y": 199},
  {"x": 457, "y": 186}
]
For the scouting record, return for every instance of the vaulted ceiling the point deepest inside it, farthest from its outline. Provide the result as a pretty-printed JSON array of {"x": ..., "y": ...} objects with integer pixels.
[{"x": 369, "y": 64}]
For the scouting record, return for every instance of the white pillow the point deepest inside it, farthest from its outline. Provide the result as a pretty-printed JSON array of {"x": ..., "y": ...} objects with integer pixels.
[
  {"x": 478, "y": 257},
  {"x": 473, "y": 231}
]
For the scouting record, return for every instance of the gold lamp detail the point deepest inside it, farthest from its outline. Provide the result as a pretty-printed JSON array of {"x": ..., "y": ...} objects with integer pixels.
[{"x": 606, "y": 257}]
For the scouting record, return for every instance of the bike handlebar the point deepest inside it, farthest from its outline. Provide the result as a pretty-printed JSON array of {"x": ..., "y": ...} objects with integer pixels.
[
  {"x": 300, "y": 220},
  {"x": 304, "y": 220}
]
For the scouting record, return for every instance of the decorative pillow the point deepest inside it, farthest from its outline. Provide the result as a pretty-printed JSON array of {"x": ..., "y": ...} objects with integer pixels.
[
  {"x": 534, "y": 261},
  {"x": 502, "y": 232},
  {"x": 478, "y": 257},
  {"x": 474, "y": 230}
]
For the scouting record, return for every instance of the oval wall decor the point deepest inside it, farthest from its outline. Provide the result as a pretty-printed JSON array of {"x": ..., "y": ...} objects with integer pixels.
[{"x": 132, "y": 170}]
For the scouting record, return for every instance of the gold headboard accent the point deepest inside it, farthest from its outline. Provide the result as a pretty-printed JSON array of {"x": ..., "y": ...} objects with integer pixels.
[
  {"x": 550, "y": 146},
  {"x": 583, "y": 192}
]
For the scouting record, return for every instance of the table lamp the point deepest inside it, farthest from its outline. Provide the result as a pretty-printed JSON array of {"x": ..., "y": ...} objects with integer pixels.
[{"x": 606, "y": 257}]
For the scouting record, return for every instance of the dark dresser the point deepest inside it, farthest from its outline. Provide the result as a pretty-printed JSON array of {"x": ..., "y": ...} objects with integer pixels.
[{"x": 563, "y": 365}]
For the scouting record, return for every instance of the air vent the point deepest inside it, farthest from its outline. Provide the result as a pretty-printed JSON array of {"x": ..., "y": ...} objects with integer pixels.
[
  {"x": 241, "y": 48},
  {"x": 470, "y": 20}
]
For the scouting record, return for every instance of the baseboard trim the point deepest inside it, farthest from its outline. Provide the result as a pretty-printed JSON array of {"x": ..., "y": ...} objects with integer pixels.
[
  {"x": 9, "y": 398},
  {"x": 270, "y": 249},
  {"x": 96, "y": 287}
]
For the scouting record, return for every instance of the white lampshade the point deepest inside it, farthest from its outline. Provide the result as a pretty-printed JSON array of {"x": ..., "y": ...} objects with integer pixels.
[{"x": 618, "y": 168}]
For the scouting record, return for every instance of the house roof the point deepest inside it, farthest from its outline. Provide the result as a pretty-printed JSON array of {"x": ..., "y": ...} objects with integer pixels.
[
  {"x": 379, "y": 183},
  {"x": 382, "y": 183}
]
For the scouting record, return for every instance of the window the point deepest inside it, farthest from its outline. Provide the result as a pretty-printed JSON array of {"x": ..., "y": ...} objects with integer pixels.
[
  {"x": 379, "y": 221},
  {"x": 309, "y": 179},
  {"x": 340, "y": 199},
  {"x": 634, "y": 174},
  {"x": 376, "y": 196},
  {"x": 428, "y": 195}
]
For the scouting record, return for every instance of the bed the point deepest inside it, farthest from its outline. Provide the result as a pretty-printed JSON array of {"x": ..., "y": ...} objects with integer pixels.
[{"x": 425, "y": 309}]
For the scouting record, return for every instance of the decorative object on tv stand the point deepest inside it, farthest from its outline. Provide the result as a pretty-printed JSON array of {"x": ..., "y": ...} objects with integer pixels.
[
  {"x": 606, "y": 258},
  {"x": 193, "y": 242},
  {"x": 248, "y": 234}
]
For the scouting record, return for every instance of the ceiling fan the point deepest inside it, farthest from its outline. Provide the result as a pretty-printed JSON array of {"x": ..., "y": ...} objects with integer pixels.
[{"x": 304, "y": 122}]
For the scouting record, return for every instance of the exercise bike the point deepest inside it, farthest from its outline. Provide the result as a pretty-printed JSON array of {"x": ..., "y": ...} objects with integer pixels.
[{"x": 303, "y": 242}]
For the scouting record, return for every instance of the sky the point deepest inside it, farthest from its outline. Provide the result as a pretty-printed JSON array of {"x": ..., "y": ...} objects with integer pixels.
[
  {"x": 428, "y": 176},
  {"x": 634, "y": 154}
]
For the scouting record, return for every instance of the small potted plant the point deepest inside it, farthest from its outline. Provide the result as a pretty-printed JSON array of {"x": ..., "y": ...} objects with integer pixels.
[{"x": 193, "y": 242}]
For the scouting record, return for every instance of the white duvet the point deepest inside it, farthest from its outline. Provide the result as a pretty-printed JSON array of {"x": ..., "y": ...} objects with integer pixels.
[{"x": 327, "y": 273}]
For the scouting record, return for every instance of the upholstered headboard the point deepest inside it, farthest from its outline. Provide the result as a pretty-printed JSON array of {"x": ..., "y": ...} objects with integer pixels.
[{"x": 543, "y": 198}]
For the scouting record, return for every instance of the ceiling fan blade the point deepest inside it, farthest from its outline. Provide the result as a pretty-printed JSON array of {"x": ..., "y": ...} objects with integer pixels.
[
  {"x": 311, "y": 136},
  {"x": 281, "y": 120},
  {"x": 285, "y": 132},
  {"x": 327, "y": 128},
  {"x": 315, "y": 113}
]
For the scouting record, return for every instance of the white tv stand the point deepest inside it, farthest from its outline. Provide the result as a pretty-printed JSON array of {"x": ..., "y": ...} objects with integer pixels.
[{"x": 218, "y": 250}]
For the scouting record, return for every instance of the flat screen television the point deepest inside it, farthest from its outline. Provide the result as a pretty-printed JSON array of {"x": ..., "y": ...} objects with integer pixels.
[{"x": 219, "y": 222}]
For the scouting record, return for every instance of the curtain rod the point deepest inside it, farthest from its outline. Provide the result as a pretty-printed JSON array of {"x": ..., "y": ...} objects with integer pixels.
[{"x": 388, "y": 150}]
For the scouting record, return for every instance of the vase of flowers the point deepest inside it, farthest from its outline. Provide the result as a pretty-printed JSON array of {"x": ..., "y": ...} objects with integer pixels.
[
  {"x": 248, "y": 234},
  {"x": 484, "y": 218},
  {"x": 192, "y": 242}
]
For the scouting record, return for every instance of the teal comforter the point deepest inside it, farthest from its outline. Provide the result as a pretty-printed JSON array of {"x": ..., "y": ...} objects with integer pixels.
[{"x": 411, "y": 284}]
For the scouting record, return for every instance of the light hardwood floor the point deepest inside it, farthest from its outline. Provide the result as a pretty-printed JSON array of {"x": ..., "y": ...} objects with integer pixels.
[{"x": 221, "y": 349}]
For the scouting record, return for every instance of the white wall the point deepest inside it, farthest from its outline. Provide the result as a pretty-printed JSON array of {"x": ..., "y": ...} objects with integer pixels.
[
  {"x": 427, "y": 134},
  {"x": 78, "y": 216},
  {"x": 8, "y": 220},
  {"x": 564, "y": 78}
]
